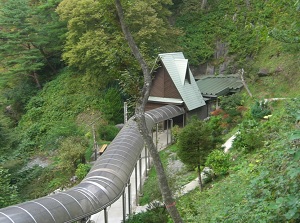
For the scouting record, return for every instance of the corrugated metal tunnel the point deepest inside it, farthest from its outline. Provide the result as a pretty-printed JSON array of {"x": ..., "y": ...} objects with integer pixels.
[{"x": 102, "y": 186}]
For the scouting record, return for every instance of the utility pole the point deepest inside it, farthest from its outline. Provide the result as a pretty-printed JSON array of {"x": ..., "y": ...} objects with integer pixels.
[
  {"x": 125, "y": 112},
  {"x": 241, "y": 72}
]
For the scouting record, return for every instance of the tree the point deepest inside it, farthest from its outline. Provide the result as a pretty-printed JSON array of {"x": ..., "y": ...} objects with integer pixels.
[
  {"x": 8, "y": 192},
  {"x": 95, "y": 44},
  {"x": 140, "y": 119},
  {"x": 30, "y": 38},
  {"x": 195, "y": 142}
]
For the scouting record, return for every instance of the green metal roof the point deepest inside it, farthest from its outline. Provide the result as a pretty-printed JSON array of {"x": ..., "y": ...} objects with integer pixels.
[
  {"x": 219, "y": 85},
  {"x": 182, "y": 77}
]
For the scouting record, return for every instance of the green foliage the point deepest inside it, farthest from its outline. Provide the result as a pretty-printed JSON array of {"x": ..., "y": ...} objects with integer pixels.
[
  {"x": 231, "y": 103},
  {"x": 218, "y": 161},
  {"x": 195, "y": 142},
  {"x": 31, "y": 38},
  {"x": 72, "y": 153},
  {"x": 231, "y": 109},
  {"x": 57, "y": 132},
  {"x": 156, "y": 213},
  {"x": 241, "y": 29},
  {"x": 51, "y": 114},
  {"x": 244, "y": 29},
  {"x": 215, "y": 124},
  {"x": 3, "y": 135},
  {"x": 82, "y": 170},
  {"x": 95, "y": 42},
  {"x": 24, "y": 179},
  {"x": 108, "y": 132},
  {"x": 260, "y": 109},
  {"x": 18, "y": 97},
  {"x": 151, "y": 189},
  {"x": 249, "y": 137},
  {"x": 175, "y": 133},
  {"x": 8, "y": 192},
  {"x": 111, "y": 105},
  {"x": 263, "y": 186}
]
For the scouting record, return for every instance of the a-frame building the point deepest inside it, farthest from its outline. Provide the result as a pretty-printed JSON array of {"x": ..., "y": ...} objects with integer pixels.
[{"x": 174, "y": 83}]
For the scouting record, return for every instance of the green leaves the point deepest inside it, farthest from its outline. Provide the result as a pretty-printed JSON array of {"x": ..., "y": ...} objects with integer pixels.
[
  {"x": 195, "y": 142},
  {"x": 95, "y": 43},
  {"x": 8, "y": 192},
  {"x": 219, "y": 162}
]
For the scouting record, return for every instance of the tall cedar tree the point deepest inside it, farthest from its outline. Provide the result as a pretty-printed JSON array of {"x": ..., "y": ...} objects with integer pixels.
[{"x": 195, "y": 142}]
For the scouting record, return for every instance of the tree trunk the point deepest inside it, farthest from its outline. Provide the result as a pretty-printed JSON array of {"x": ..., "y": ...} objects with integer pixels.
[
  {"x": 199, "y": 178},
  {"x": 48, "y": 62},
  {"x": 248, "y": 4},
  {"x": 244, "y": 82},
  {"x": 203, "y": 4},
  {"x": 140, "y": 119},
  {"x": 35, "y": 77}
]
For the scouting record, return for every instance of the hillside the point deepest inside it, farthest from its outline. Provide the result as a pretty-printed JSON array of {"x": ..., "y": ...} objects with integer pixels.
[{"x": 95, "y": 78}]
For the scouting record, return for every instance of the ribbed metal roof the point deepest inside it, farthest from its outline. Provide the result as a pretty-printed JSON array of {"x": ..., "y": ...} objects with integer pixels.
[
  {"x": 177, "y": 65},
  {"x": 219, "y": 85},
  {"x": 102, "y": 186}
]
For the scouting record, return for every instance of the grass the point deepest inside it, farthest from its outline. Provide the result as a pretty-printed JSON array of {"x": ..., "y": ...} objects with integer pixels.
[{"x": 283, "y": 66}]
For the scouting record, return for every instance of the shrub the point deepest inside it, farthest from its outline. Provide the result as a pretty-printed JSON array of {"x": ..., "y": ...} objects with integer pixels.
[
  {"x": 250, "y": 136},
  {"x": 108, "y": 132},
  {"x": 260, "y": 109},
  {"x": 8, "y": 192},
  {"x": 230, "y": 104},
  {"x": 218, "y": 161},
  {"x": 72, "y": 153},
  {"x": 112, "y": 106},
  {"x": 215, "y": 124},
  {"x": 82, "y": 170},
  {"x": 156, "y": 213}
]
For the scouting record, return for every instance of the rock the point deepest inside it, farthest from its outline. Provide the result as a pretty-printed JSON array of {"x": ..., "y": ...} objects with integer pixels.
[{"x": 263, "y": 72}]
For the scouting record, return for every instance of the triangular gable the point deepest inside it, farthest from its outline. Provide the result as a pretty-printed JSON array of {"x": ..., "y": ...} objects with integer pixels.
[
  {"x": 178, "y": 69},
  {"x": 183, "y": 70}
]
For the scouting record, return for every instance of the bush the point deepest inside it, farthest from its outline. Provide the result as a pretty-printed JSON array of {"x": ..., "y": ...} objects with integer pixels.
[
  {"x": 260, "y": 109},
  {"x": 231, "y": 103},
  {"x": 108, "y": 132},
  {"x": 112, "y": 106},
  {"x": 82, "y": 170},
  {"x": 218, "y": 161},
  {"x": 250, "y": 136},
  {"x": 156, "y": 213},
  {"x": 72, "y": 153},
  {"x": 215, "y": 124},
  {"x": 8, "y": 192}
]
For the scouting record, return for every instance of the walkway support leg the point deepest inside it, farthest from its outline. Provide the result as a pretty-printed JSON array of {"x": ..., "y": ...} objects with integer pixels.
[
  {"x": 105, "y": 216},
  {"x": 124, "y": 205},
  {"x": 141, "y": 180},
  {"x": 129, "y": 197},
  {"x": 136, "y": 187}
]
